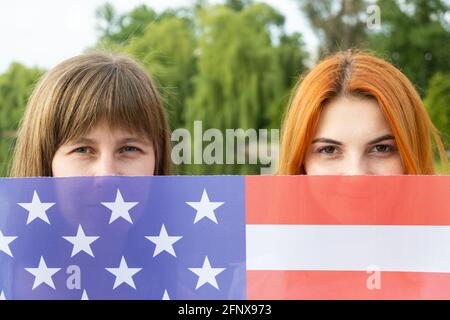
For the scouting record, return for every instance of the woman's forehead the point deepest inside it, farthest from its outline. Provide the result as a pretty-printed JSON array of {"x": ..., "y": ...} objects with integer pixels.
[{"x": 352, "y": 117}]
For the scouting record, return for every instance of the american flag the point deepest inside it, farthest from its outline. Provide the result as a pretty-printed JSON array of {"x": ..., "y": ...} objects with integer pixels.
[
  {"x": 122, "y": 238},
  {"x": 225, "y": 237}
]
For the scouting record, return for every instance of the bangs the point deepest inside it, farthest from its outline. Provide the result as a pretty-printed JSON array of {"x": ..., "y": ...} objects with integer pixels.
[
  {"x": 119, "y": 94},
  {"x": 79, "y": 94}
]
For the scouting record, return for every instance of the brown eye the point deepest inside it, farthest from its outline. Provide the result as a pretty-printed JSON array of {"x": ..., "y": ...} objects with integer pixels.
[
  {"x": 327, "y": 150},
  {"x": 383, "y": 148}
]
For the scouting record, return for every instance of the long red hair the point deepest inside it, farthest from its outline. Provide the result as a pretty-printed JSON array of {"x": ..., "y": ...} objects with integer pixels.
[{"x": 360, "y": 74}]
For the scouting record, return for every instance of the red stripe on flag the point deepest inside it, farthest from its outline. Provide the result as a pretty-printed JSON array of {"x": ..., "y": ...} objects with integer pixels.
[
  {"x": 350, "y": 200},
  {"x": 340, "y": 201},
  {"x": 341, "y": 285}
]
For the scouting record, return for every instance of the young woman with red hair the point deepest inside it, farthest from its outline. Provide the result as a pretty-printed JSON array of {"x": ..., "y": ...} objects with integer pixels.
[{"x": 355, "y": 114}]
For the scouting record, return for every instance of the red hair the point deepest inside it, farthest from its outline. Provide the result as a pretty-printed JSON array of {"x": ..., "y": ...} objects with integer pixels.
[{"x": 362, "y": 75}]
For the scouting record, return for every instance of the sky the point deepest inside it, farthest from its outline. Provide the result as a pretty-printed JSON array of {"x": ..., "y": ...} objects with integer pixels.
[{"x": 43, "y": 33}]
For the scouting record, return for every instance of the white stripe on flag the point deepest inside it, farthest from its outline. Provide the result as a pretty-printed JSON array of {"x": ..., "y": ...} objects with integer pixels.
[{"x": 348, "y": 247}]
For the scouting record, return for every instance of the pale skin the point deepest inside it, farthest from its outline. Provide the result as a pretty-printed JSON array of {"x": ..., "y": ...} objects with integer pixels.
[
  {"x": 105, "y": 152},
  {"x": 353, "y": 138}
]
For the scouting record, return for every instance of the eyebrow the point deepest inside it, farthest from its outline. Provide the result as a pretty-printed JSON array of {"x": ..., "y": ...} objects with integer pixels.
[{"x": 376, "y": 140}]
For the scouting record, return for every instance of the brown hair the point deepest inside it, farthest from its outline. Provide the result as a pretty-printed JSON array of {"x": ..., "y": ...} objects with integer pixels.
[
  {"x": 76, "y": 95},
  {"x": 360, "y": 74}
]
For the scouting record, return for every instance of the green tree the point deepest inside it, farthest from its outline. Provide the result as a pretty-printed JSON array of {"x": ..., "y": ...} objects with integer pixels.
[
  {"x": 416, "y": 36},
  {"x": 16, "y": 85},
  {"x": 244, "y": 71},
  {"x": 167, "y": 51},
  {"x": 237, "y": 5},
  {"x": 437, "y": 103},
  {"x": 120, "y": 29},
  {"x": 339, "y": 24},
  {"x": 291, "y": 54},
  {"x": 236, "y": 62}
]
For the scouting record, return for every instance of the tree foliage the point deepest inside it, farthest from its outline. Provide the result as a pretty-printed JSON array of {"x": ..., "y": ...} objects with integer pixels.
[
  {"x": 16, "y": 85},
  {"x": 339, "y": 24},
  {"x": 415, "y": 35},
  {"x": 167, "y": 50},
  {"x": 437, "y": 103}
]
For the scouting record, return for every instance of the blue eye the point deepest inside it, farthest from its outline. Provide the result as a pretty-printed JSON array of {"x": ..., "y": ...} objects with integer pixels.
[{"x": 81, "y": 150}]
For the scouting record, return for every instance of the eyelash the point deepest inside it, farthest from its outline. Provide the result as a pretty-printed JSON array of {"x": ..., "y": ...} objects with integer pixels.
[
  {"x": 77, "y": 149},
  {"x": 388, "y": 147},
  {"x": 135, "y": 148}
]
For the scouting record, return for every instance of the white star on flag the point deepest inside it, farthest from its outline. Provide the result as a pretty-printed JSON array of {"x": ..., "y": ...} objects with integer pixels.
[
  {"x": 4, "y": 243},
  {"x": 81, "y": 242},
  {"x": 206, "y": 274},
  {"x": 120, "y": 208},
  {"x": 36, "y": 208},
  {"x": 84, "y": 296},
  {"x": 2, "y": 296},
  {"x": 205, "y": 208},
  {"x": 166, "y": 295},
  {"x": 43, "y": 274},
  {"x": 164, "y": 242},
  {"x": 124, "y": 274}
]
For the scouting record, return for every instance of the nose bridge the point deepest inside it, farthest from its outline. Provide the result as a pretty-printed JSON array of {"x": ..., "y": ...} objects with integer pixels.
[
  {"x": 107, "y": 165},
  {"x": 356, "y": 164}
]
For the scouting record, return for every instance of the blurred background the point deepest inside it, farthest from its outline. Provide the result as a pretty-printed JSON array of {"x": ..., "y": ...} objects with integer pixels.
[{"x": 232, "y": 63}]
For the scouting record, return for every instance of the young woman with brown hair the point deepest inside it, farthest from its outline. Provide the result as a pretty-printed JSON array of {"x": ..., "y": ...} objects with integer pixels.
[{"x": 93, "y": 114}]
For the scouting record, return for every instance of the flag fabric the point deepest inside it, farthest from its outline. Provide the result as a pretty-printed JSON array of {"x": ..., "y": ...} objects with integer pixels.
[
  {"x": 122, "y": 238},
  {"x": 348, "y": 237},
  {"x": 225, "y": 237}
]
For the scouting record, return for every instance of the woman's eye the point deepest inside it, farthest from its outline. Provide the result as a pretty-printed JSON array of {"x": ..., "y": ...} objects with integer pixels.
[
  {"x": 82, "y": 150},
  {"x": 327, "y": 150},
  {"x": 129, "y": 149},
  {"x": 383, "y": 148}
]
